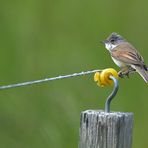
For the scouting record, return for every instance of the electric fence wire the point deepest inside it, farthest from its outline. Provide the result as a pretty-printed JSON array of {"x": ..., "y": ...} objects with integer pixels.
[{"x": 47, "y": 79}]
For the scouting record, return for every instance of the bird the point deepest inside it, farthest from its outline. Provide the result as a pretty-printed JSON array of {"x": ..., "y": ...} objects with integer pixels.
[{"x": 125, "y": 55}]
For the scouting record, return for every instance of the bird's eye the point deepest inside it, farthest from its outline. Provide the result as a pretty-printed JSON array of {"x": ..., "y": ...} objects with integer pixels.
[{"x": 112, "y": 40}]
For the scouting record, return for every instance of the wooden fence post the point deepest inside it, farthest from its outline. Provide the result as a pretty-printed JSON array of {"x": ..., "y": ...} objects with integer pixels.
[{"x": 99, "y": 129}]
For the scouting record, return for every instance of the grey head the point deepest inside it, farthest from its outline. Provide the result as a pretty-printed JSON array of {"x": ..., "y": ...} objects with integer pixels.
[{"x": 113, "y": 40}]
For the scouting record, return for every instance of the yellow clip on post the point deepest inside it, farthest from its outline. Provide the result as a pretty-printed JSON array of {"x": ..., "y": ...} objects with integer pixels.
[{"x": 102, "y": 78}]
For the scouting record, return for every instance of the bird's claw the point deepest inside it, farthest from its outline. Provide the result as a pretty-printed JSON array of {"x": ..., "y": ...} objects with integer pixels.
[
  {"x": 126, "y": 73},
  {"x": 123, "y": 74}
]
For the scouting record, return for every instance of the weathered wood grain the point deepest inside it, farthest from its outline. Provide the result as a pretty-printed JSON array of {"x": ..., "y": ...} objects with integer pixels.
[{"x": 99, "y": 129}]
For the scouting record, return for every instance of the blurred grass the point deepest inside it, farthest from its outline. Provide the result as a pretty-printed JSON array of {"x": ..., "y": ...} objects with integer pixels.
[{"x": 41, "y": 39}]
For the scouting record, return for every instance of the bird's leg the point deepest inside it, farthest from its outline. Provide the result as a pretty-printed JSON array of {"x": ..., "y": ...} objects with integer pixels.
[
  {"x": 131, "y": 70},
  {"x": 125, "y": 71},
  {"x": 121, "y": 73}
]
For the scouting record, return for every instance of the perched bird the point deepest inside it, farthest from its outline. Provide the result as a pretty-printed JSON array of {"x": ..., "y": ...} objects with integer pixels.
[{"x": 125, "y": 56}]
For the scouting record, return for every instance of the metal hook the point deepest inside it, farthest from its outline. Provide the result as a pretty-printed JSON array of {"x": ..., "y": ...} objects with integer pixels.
[{"x": 112, "y": 95}]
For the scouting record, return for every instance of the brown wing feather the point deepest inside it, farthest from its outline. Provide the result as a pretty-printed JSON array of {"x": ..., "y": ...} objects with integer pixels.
[{"x": 127, "y": 54}]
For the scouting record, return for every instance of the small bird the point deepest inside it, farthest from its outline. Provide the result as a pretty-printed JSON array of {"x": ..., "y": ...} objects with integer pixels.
[{"x": 125, "y": 56}]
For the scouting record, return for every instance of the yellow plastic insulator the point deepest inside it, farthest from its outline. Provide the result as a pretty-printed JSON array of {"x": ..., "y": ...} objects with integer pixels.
[{"x": 102, "y": 78}]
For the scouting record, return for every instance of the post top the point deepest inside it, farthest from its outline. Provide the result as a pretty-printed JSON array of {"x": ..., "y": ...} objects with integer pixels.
[{"x": 103, "y": 113}]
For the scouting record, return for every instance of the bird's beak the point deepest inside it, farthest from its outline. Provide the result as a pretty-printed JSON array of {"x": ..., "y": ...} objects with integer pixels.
[{"x": 103, "y": 42}]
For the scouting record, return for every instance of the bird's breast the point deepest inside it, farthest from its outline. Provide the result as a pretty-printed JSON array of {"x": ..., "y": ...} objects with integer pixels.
[{"x": 118, "y": 63}]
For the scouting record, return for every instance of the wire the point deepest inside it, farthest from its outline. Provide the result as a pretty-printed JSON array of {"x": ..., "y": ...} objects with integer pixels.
[{"x": 47, "y": 79}]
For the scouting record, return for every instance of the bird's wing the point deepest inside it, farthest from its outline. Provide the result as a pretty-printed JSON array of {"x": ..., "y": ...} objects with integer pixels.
[{"x": 127, "y": 53}]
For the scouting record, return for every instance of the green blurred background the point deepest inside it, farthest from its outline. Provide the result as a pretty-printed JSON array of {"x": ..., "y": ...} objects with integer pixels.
[{"x": 41, "y": 39}]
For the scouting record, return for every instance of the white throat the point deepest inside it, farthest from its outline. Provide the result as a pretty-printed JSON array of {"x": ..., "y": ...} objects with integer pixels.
[{"x": 110, "y": 46}]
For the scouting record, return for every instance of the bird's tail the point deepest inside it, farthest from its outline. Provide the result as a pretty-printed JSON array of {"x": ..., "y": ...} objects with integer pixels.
[{"x": 143, "y": 73}]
